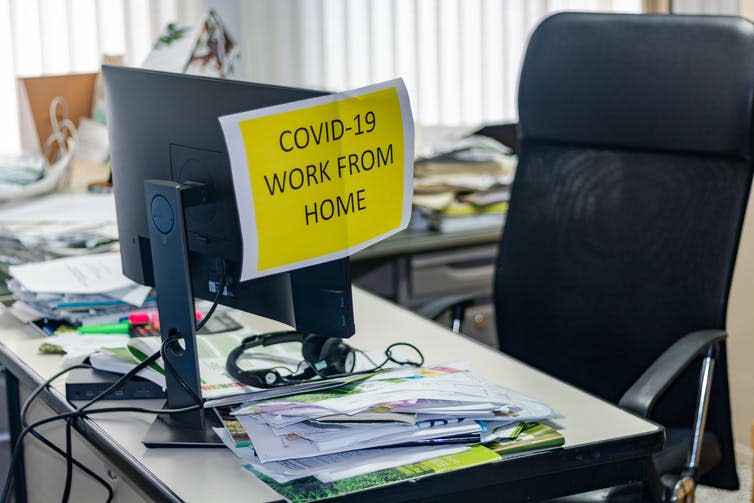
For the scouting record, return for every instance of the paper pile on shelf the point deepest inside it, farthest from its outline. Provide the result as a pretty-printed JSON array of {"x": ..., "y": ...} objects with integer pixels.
[
  {"x": 86, "y": 289},
  {"x": 392, "y": 418},
  {"x": 463, "y": 184}
]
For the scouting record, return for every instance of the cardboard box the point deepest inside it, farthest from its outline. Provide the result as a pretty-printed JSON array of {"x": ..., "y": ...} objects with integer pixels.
[{"x": 35, "y": 95}]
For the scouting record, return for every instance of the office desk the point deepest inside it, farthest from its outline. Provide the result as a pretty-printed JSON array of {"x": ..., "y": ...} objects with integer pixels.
[
  {"x": 416, "y": 267},
  {"x": 410, "y": 242},
  {"x": 604, "y": 445}
]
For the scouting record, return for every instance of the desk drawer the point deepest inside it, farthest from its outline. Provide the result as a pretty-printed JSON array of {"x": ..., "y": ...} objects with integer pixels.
[{"x": 456, "y": 271}]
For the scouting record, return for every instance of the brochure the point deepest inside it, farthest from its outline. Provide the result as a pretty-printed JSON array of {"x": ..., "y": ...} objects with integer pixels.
[
  {"x": 312, "y": 489},
  {"x": 533, "y": 436}
]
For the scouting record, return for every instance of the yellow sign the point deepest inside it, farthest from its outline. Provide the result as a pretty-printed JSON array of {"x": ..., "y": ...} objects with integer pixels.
[{"x": 323, "y": 178}]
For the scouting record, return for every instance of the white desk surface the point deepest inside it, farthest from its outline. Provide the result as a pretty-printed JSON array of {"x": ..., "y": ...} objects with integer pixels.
[{"x": 203, "y": 475}]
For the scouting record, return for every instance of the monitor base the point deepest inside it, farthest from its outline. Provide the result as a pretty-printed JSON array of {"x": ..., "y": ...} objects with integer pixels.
[{"x": 166, "y": 432}]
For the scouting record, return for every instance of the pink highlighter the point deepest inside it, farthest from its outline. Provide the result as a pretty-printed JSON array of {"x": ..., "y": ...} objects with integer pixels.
[{"x": 151, "y": 318}]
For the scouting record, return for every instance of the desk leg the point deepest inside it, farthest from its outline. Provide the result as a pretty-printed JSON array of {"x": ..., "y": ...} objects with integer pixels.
[{"x": 14, "y": 423}]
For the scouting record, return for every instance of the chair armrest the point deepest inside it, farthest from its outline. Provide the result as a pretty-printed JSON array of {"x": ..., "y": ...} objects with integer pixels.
[
  {"x": 434, "y": 308},
  {"x": 641, "y": 397}
]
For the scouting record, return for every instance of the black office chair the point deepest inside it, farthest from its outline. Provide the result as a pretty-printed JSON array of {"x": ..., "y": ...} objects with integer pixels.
[{"x": 625, "y": 215}]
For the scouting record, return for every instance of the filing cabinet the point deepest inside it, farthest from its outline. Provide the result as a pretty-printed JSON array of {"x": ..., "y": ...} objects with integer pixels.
[{"x": 413, "y": 279}]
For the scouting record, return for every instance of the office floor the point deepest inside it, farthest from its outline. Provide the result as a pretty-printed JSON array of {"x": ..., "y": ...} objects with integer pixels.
[{"x": 708, "y": 494}]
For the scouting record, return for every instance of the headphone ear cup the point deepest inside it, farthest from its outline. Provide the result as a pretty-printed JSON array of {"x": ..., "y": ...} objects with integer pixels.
[
  {"x": 335, "y": 353},
  {"x": 311, "y": 348},
  {"x": 328, "y": 355}
]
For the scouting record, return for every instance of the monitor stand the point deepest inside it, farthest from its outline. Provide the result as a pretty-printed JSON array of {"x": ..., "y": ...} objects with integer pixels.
[
  {"x": 165, "y": 431},
  {"x": 165, "y": 202}
]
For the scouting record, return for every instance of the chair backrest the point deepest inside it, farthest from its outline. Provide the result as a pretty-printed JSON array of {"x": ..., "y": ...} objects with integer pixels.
[{"x": 625, "y": 215}]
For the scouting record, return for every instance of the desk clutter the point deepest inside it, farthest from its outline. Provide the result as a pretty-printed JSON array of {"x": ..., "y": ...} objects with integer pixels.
[
  {"x": 81, "y": 290},
  {"x": 404, "y": 423},
  {"x": 318, "y": 438},
  {"x": 311, "y": 440}
]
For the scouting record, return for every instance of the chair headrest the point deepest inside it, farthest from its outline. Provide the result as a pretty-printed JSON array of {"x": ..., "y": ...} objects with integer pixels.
[{"x": 655, "y": 82}]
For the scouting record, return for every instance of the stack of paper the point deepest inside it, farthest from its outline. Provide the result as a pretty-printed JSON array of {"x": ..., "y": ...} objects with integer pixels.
[
  {"x": 532, "y": 436},
  {"x": 81, "y": 290},
  {"x": 392, "y": 418},
  {"x": 463, "y": 186}
]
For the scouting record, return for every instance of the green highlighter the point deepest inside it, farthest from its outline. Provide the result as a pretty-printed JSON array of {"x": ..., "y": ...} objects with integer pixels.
[{"x": 123, "y": 327}]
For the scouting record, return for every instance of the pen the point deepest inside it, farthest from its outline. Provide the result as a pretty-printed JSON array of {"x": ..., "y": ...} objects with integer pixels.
[{"x": 123, "y": 327}]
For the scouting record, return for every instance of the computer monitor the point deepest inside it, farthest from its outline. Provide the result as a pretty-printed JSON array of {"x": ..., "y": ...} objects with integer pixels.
[{"x": 164, "y": 127}]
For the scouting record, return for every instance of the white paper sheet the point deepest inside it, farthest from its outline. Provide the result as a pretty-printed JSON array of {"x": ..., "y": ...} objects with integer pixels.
[
  {"x": 78, "y": 346},
  {"x": 85, "y": 274},
  {"x": 445, "y": 384},
  {"x": 270, "y": 447},
  {"x": 134, "y": 294},
  {"x": 341, "y": 465}
]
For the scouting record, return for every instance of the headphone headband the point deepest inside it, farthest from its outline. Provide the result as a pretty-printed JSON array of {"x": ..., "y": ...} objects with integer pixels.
[{"x": 324, "y": 356}]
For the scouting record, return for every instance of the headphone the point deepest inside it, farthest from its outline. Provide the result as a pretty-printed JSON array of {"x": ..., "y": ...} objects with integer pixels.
[{"x": 326, "y": 356}]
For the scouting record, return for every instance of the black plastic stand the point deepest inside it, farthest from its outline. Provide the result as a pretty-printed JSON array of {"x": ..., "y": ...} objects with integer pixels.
[
  {"x": 166, "y": 431},
  {"x": 166, "y": 201}
]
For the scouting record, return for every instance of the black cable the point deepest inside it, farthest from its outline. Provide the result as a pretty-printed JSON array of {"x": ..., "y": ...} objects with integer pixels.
[
  {"x": 43, "y": 386},
  {"x": 116, "y": 385},
  {"x": 77, "y": 414},
  {"x": 122, "y": 380},
  {"x": 365, "y": 355},
  {"x": 69, "y": 423},
  {"x": 215, "y": 301},
  {"x": 388, "y": 358},
  {"x": 50, "y": 445},
  {"x": 67, "y": 453},
  {"x": 169, "y": 367},
  {"x": 68, "y": 462},
  {"x": 81, "y": 411},
  {"x": 84, "y": 468}
]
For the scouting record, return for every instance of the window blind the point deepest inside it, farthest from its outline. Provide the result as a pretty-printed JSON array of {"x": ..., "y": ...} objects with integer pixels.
[{"x": 460, "y": 59}]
